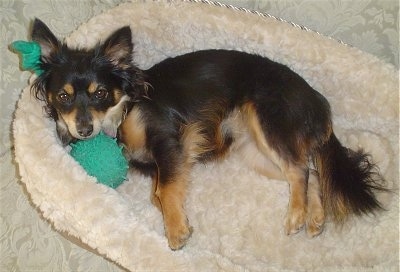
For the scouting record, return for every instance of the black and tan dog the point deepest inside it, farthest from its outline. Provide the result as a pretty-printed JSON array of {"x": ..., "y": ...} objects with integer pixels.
[{"x": 197, "y": 107}]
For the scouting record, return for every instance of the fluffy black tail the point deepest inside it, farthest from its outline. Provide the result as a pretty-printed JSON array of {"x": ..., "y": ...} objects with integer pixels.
[{"x": 348, "y": 180}]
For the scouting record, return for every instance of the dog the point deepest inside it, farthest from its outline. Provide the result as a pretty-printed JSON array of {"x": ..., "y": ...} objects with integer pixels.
[{"x": 198, "y": 107}]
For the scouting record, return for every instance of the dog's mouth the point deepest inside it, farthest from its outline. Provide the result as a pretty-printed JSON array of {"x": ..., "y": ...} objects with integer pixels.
[{"x": 85, "y": 137}]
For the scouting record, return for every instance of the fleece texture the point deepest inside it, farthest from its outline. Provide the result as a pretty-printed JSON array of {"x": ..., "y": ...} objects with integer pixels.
[{"x": 237, "y": 214}]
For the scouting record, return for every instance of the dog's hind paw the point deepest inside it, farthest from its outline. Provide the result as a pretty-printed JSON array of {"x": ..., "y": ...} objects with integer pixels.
[
  {"x": 315, "y": 221},
  {"x": 295, "y": 221}
]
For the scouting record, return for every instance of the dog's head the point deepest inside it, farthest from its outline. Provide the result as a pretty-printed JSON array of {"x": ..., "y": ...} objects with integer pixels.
[{"x": 86, "y": 90}]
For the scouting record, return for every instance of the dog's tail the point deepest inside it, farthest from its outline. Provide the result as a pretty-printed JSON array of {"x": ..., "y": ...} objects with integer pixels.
[{"x": 348, "y": 180}]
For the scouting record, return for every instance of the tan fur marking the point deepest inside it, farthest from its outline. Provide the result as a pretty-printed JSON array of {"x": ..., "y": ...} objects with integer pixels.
[
  {"x": 69, "y": 89},
  {"x": 194, "y": 142},
  {"x": 339, "y": 210},
  {"x": 197, "y": 141},
  {"x": 296, "y": 215},
  {"x": 171, "y": 199},
  {"x": 117, "y": 95},
  {"x": 251, "y": 119},
  {"x": 70, "y": 121},
  {"x": 92, "y": 87},
  {"x": 97, "y": 115},
  {"x": 220, "y": 137},
  {"x": 70, "y": 117},
  {"x": 153, "y": 197},
  {"x": 133, "y": 130}
]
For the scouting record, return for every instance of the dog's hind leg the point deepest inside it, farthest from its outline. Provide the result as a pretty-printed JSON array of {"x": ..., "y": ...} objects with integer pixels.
[
  {"x": 315, "y": 211},
  {"x": 297, "y": 178},
  {"x": 297, "y": 210},
  {"x": 305, "y": 204},
  {"x": 295, "y": 173}
]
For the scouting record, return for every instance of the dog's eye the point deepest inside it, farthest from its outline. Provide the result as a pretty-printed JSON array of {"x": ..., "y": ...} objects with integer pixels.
[
  {"x": 101, "y": 93},
  {"x": 63, "y": 97}
]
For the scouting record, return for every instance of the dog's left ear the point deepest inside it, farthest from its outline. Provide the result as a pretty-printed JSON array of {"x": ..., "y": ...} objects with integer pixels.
[
  {"x": 48, "y": 42},
  {"x": 118, "y": 47}
]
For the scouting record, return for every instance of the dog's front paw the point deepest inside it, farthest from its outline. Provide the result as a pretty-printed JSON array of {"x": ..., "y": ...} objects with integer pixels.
[
  {"x": 295, "y": 220},
  {"x": 178, "y": 234}
]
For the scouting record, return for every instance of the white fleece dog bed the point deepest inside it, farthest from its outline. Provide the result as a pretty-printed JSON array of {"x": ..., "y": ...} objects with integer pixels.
[{"x": 237, "y": 215}]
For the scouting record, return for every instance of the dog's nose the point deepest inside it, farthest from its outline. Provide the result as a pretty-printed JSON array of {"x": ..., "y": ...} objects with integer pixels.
[{"x": 85, "y": 131}]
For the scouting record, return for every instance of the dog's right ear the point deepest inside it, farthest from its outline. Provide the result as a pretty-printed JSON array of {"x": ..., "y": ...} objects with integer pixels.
[
  {"x": 48, "y": 42},
  {"x": 117, "y": 48}
]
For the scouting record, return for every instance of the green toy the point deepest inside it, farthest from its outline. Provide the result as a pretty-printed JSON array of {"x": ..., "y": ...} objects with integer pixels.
[
  {"x": 30, "y": 53},
  {"x": 102, "y": 158}
]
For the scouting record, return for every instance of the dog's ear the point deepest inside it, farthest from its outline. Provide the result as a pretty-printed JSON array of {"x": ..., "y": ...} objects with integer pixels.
[
  {"x": 41, "y": 34},
  {"x": 118, "y": 47}
]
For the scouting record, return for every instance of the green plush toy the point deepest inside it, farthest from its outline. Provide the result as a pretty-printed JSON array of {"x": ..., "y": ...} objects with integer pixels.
[
  {"x": 30, "y": 55},
  {"x": 100, "y": 156}
]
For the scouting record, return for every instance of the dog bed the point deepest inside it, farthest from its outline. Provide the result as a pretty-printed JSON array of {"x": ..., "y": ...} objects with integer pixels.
[{"x": 237, "y": 214}]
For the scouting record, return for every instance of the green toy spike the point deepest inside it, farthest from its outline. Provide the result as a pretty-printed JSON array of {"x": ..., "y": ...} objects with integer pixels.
[{"x": 30, "y": 55}]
